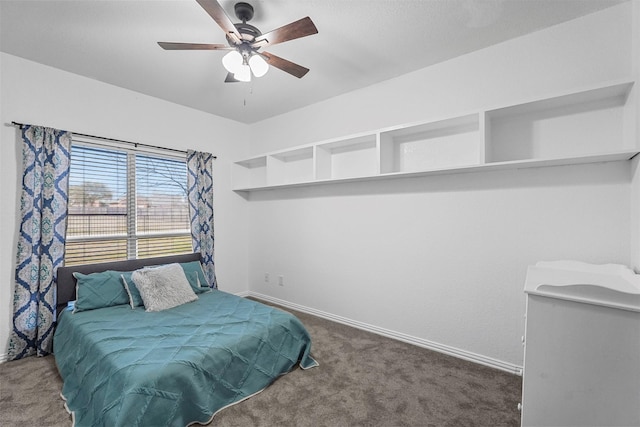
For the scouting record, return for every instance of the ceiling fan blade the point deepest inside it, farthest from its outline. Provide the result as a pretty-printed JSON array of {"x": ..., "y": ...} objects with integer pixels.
[
  {"x": 287, "y": 66},
  {"x": 193, "y": 46},
  {"x": 300, "y": 28},
  {"x": 213, "y": 8}
]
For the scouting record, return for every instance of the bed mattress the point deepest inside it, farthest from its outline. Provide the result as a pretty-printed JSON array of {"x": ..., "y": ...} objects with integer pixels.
[{"x": 124, "y": 367}]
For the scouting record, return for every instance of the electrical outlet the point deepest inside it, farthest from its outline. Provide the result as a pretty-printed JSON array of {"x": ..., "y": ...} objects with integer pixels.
[
  {"x": 281, "y": 280},
  {"x": 266, "y": 277}
]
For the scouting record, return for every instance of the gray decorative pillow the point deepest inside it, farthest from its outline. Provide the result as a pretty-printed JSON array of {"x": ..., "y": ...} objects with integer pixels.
[{"x": 163, "y": 287}]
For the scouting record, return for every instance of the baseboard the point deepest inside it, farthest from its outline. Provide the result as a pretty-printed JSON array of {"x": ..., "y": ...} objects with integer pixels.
[
  {"x": 420, "y": 342},
  {"x": 243, "y": 294},
  {"x": 4, "y": 357}
]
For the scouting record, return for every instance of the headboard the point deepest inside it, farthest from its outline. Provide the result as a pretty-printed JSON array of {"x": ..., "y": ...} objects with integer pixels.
[{"x": 67, "y": 283}]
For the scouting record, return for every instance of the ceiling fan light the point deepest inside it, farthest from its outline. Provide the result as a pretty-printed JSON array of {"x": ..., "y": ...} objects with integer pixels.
[
  {"x": 258, "y": 65},
  {"x": 232, "y": 61},
  {"x": 243, "y": 73}
]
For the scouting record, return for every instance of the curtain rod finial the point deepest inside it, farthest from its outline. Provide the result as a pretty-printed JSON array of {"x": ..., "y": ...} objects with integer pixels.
[{"x": 19, "y": 125}]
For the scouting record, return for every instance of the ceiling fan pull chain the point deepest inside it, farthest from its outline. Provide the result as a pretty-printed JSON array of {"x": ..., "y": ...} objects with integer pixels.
[{"x": 250, "y": 90}]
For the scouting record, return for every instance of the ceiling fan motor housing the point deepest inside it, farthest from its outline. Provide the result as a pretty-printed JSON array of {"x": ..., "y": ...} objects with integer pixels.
[
  {"x": 248, "y": 32},
  {"x": 244, "y": 11}
]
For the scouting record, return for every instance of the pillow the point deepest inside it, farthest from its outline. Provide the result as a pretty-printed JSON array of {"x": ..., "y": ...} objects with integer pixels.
[
  {"x": 195, "y": 276},
  {"x": 97, "y": 290},
  {"x": 163, "y": 287},
  {"x": 135, "y": 300},
  {"x": 192, "y": 270}
]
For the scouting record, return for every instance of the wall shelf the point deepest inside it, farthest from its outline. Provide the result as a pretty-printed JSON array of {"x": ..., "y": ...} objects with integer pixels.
[
  {"x": 434, "y": 145},
  {"x": 596, "y": 124},
  {"x": 347, "y": 158},
  {"x": 495, "y": 166}
]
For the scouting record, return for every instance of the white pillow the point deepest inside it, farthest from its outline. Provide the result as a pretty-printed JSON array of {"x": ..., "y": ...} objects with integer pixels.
[{"x": 163, "y": 287}]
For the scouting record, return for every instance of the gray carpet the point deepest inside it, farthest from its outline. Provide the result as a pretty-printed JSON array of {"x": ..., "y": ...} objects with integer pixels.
[{"x": 363, "y": 380}]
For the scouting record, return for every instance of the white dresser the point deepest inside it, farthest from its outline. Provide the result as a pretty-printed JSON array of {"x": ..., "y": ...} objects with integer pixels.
[{"x": 582, "y": 345}]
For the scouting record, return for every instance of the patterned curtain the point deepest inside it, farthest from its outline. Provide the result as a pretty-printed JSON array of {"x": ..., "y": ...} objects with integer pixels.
[
  {"x": 200, "y": 185},
  {"x": 40, "y": 251}
]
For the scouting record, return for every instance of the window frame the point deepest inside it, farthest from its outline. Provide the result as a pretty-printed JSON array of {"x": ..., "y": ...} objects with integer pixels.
[{"x": 132, "y": 235}]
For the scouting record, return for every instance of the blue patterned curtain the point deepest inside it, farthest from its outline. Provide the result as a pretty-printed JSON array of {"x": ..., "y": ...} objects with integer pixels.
[
  {"x": 200, "y": 184},
  {"x": 40, "y": 251}
]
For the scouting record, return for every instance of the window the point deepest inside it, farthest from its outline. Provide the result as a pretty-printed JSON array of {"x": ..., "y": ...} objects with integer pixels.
[{"x": 125, "y": 204}]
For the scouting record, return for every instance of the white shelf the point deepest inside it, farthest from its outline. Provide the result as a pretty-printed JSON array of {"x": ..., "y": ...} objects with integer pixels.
[
  {"x": 567, "y": 125},
  {"x": 250, "y": 172},
  {"x": 347, "y": 158},
  {"x": 488, "y": 167},
  {"x": 290, "y": 166},
  {"x": 440, "y": 144},
  {"x": 596, "y": 124}
]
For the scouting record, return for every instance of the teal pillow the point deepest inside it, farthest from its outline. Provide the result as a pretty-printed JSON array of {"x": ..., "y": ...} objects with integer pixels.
[
  {"x": 134, "y": 297},
  {"x": 97, "y": 290},
  {"x": 195, "y": 276}
]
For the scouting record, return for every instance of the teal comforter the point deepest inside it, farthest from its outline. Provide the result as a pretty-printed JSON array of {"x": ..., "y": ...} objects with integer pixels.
[{"x": 124, "y": 367}]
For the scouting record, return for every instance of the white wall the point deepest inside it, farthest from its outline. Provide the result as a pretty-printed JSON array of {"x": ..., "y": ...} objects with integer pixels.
[
  {"x": 443, "y": 259},
  {"x": 37, "y": 94},
  {"x": 635, "y": 192},
  {"x": 440, "y": 258}
]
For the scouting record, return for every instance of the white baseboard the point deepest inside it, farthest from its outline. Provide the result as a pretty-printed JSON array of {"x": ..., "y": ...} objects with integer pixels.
[
  {"x": 420, "y": 342},
  {"x": 243, "y": 294}
]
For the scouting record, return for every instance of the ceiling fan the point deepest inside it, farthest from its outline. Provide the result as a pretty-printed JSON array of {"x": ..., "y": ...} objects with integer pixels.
[{"x": 245, "y": 41}]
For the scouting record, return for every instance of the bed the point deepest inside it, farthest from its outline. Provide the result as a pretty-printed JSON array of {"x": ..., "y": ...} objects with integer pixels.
[{"x": 123, "y": 365}]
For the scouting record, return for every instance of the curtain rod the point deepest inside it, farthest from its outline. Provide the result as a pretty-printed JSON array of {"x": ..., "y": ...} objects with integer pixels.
[{"x": 136, "y": 144}]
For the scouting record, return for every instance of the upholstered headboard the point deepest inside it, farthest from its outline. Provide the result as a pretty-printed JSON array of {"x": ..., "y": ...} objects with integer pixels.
[{"x": 67, "y": 283}]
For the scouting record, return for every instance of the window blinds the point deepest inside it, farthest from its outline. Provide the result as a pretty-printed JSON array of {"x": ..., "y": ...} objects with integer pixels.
[{"x": 125, "y": 204}]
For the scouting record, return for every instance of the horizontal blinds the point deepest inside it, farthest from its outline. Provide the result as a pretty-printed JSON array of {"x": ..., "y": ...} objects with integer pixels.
[
  {"x": 156, "y": 246},
  {"x": 161, "y": 189},
  {"x": 86, "y": 252},
  {"x": 97, "y": 192},
  {"x": 125, "y": 205}
]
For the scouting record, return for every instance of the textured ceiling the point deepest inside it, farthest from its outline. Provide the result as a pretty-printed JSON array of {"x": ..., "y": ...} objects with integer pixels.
[{"x": 359, "y": 43}]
